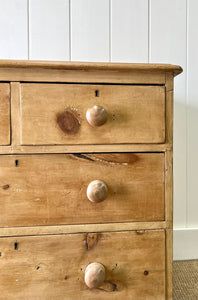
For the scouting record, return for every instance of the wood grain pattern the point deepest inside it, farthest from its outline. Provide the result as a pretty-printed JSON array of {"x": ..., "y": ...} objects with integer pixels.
[
  {"x": 18, "y": 149},
  {"x": 63, "y": 229},
  {"x": 97, "y": 66},
  {"x": 46, "y": 218},
  {"x": 169, "y": 264},
  {"x": 15, "y": 113},
  {"x": 4, "y": 114},
  {"x": 51, "y": 189},
  {"x": 169, "y": 187},
  {"x": 136, "y": 114},
  {"x": 81, "y": 75},
  {"x": 52, "y": 267}
]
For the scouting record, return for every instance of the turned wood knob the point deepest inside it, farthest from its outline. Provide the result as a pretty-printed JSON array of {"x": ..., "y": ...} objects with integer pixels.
[
  {"x": 97, "y": 191},
  {"x": 96, "y": 115},
  {"x": 94, "y": 275}
]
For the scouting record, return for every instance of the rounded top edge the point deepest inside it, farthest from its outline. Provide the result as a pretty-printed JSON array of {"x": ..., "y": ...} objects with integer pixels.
[{"x": 75, "y": 65}]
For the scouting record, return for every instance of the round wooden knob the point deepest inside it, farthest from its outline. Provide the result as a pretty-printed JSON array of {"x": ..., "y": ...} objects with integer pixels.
[
  {"x": 94, "y": 275},
  {"x": 97, "y": 191},
  {"x": 96, "y": 116}
]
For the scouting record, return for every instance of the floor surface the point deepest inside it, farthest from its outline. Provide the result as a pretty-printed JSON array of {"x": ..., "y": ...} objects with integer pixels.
[{"x": 185, "y": 280}]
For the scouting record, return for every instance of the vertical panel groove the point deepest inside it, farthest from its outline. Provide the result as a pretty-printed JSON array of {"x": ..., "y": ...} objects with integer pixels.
[
  {"x": 129, "y": 31},
  {"x": 149, "y": 27},
  {"x": 28, "y": 29},
  {"x": 110, "y": 33},
  {"x": 70, "y": 30},
  {"x": 49, "y": 29},
  {"x": 90, "y": 30},
  {"x": 13, "y": 29},
  {"x": 168, "y": 45},
  {"x": 192, "y": 114},
  {"x": 186, "y": 113}
]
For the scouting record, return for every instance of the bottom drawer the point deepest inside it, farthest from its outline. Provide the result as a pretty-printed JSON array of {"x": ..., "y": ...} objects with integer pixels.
[{"x": 53, "y": 267}]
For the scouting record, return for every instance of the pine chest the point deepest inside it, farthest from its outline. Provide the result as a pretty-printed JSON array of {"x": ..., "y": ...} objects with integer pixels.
[{"x": 86, "y": 181}]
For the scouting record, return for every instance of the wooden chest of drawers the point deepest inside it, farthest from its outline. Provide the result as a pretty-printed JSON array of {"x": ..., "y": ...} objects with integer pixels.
[{"x": 86, "y": 181}]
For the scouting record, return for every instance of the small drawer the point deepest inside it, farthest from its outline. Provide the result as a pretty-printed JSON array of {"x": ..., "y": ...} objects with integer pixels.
[
  {"x": 55, "y": 267},
  {"x": 4, "y": 114},
  {"x": 62, "y": 114},
  {"x": 55, "y": 189}
]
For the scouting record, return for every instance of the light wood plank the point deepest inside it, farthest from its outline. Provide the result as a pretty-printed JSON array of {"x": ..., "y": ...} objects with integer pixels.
[
  {"x": 90, "y": 30},
  {"x": 13, "y": 29},
  {"x": 63, "y": 229},
  {"x": 192, "y": 117},
  {"x": 49, "y": 29},
  {"x": 53, "y": 266},
  {"x": 85, "y": 148},
  {"x": 51, "y": 189},
  {"x": 81, "y": 76},
  {"x": 169, "y": 264},
  {"x": 129, "y": 30},
  {"x": 4, "y": 114},
  {"x": 168, "y": 44},
  {"x": 169, "y": 188},
  {"x": 136, "y": 114},
  {"x": 15, "y": 113},
  {"x": 121, "y": 67}
]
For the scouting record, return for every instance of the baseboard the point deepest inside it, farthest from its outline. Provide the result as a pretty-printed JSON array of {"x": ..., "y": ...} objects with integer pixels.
[{"x": 185, "y": 244}]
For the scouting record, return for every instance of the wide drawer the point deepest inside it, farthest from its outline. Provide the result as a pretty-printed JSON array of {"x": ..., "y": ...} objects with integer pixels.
[
  {"x": 52, "y": 189},
  {"x": 4, "y": 114},
  {"x": 56, "y": 114},
  {"x": 53, "y": 267}
]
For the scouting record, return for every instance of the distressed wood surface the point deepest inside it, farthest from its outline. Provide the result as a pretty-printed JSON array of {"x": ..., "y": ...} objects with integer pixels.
[
  {"x": 81, "y": 76},
  {"x": 15, "y": 113},
  {"x": 128, "y": 67},
  {"x": 51, "y": 189},
  {"x": 169, "y": 264},
  {"x": 45, "y": 214},
  {"x": 4, "y": 114},
  {"x": 18, "y": 149},
  {"x": 63, "y": 229},
  {"x": 52, "y": 267},
  {"x": 136, "y": 114}
]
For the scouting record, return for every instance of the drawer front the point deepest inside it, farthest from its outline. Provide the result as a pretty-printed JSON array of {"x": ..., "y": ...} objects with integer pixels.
[
  {"x": 53, "y": 267},
  {"x": 52, "y": 189},
  {"x": 69, "y": 114},
  {"x": 4, "y": 114}
]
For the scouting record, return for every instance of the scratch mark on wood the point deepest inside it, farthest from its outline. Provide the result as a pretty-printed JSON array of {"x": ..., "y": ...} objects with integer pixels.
[
  {"x": 108, "y": 286},
  {"x": 109, "y": 162},
  {"x": 140, "y": 232},
  {"x": 83, "y": 156}
]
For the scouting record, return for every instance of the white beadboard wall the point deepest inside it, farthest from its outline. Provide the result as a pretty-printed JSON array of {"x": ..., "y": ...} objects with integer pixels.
[{"x": 151, "y": 31}]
